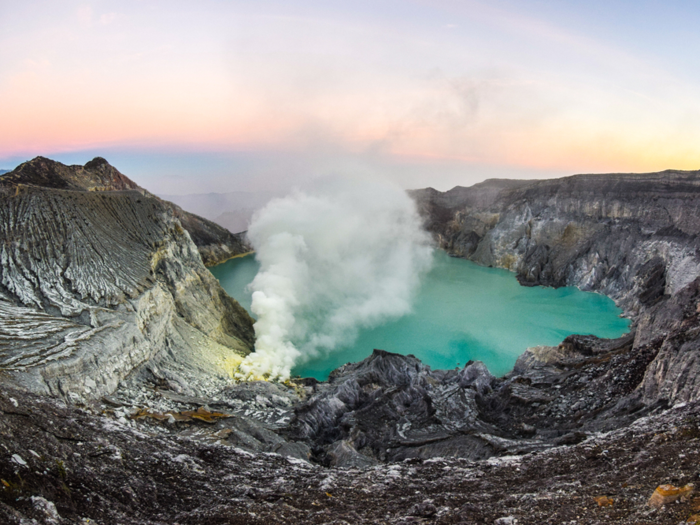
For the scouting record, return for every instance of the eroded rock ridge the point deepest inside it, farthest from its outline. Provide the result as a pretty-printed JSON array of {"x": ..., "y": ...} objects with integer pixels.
[
  {"x": 633, "y": 237},
  {"x": 99, "y": 279},
  {"x": 105, "y": 304}
]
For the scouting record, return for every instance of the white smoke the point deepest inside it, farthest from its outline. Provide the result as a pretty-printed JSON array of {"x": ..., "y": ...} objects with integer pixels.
[{"x": 335, "y": 259}]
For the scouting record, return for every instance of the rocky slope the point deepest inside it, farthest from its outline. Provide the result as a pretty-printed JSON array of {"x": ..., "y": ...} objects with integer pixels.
[
  {"x": 215, "y": 244},
  {"x": 631, "y": 237},
  {"x": 99, "y": 280},
  {"x": 61, "y": 464},
  {"x": 126, "y": 325}
]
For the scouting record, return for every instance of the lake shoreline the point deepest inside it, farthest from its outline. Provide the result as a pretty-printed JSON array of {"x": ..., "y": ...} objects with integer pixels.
[{"x": 448, "y": 326}]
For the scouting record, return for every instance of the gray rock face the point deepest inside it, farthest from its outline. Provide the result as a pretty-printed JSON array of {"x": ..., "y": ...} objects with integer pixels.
[
  {"x": 674, "y": 327},
  {"x": 215, "y": 244},
  {"x": 98, "y": 278},
  {"x": 631, "y": 237},
  {"x": 391, "y": 407},
  {"x": 597, "y": 232},
  {"x": 96, "y": 175}
]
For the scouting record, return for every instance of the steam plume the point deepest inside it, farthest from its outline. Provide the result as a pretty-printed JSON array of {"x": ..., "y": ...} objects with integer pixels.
[{"x": 332, "y": 260}]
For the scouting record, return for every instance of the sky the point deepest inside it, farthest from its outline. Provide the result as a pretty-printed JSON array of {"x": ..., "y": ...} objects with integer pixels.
[{"x": 218, "y": 96}]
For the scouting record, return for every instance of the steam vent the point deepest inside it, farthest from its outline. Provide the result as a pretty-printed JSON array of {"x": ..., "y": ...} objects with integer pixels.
[{"x": 122, "y": 399}]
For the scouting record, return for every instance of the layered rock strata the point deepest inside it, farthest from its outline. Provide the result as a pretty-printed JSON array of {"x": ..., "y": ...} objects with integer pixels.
[
  {"x": 105, "y": 302},
  {"x": 632, "y": 237},
  {"x": 215, "y": 244},
  {"x": 98, "y": 279}
]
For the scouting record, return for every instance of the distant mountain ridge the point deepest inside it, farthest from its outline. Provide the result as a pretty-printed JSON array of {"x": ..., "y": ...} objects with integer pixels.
[{"x": 233, "y": 210}]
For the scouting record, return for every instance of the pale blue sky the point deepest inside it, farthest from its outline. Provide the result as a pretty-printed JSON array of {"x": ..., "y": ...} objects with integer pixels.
[{"x": 228, "y": 95}]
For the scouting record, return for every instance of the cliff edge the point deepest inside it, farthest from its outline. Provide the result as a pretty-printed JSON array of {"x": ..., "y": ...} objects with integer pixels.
[
  {"x": 215, "y": 243},
  {"x": 632, "y": 237},
  {"x": 100, "y": 282}
]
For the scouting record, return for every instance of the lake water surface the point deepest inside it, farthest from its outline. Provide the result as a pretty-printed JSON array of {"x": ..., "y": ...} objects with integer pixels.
[{"x": 462, "y": 311}]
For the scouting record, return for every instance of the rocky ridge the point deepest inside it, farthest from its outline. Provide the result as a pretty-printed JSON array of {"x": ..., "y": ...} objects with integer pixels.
[
  {"x": 632, "y": 237},
  {"x": 99, "y": 279},
  {"x": 215, "y": 243},
  {"x": 387, "y": 440}
]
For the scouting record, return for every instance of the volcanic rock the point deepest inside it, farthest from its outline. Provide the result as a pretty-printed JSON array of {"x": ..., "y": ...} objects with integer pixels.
[
  {"x": 215, "y": 243},
  {"x": 99, "y": 282},
  {"x": 89, "y": 464},
  {"x": 665, "y": 494},
  {"x": 106, "y": 306}
]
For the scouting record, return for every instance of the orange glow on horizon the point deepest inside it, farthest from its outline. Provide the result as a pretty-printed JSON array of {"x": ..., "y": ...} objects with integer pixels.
[{"x": 48, "y": 112}]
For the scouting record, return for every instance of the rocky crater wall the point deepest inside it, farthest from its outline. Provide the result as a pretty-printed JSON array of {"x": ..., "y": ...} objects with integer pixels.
[
  {"x": 105, "y": 302},
  {"x": 632, "y": 237},
  {"x": 596, "y": 232},
  {"x": 98, "y": 279}
]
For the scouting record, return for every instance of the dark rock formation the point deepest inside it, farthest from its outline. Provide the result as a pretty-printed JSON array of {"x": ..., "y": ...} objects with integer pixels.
[
  {"x": 63, "y": 464},
  {"x": 390, "y": 408},
  {"x": 96, "y": 175}
]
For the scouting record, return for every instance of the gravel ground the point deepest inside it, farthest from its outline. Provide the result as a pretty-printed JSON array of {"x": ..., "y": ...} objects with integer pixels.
[{"x": 64, "y": 464}]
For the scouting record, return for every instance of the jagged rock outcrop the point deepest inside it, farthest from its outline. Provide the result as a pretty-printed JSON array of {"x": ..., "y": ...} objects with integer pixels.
[
  {"x": 597, "y": 232},
  {"x": 391, "y": 407},
  {"x": 215, "y": 244},
  {"x": 632, "y": 237},
  {"x": 96, "y": 175},
  {"x": 98, "y": 279}
]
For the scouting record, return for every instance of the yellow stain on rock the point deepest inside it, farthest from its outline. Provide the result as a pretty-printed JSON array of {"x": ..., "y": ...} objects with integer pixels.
[
  {"x": 231, "y": 363},
  {"x": 237, "y": 256},
  {"x": 508, "y": 262},
  {"x": 249, "y": 376},
  {"x": 665, "y": 494},
  {"x": 604, "y": 501},
  {"x": 201, "y": 414}
]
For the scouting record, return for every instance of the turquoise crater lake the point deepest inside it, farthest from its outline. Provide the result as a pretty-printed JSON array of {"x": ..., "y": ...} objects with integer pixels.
[{"x": 462, "y": 311}]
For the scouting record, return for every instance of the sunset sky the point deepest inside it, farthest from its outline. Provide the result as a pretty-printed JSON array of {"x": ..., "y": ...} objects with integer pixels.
[{"x": 192, "y": 97}]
